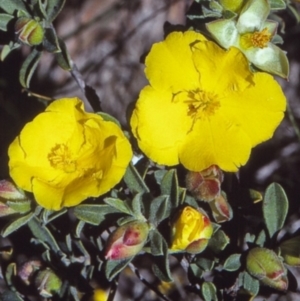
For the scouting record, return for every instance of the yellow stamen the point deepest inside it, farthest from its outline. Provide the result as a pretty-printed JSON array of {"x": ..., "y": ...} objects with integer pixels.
[
  {"x": 257, "y": 39},
  {"x": 60, "y": 157}
]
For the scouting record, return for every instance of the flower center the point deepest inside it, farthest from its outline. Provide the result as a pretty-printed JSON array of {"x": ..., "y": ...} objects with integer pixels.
[
  {"x": 60, "y": 157},
  {"x": 202, "y": 104},
  {"x": 258, "y": 39}
]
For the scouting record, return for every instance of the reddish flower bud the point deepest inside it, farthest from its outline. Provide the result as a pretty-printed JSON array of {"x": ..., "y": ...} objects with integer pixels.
[
  {"x": 222, "y": 211},
  {"x": 27, "y": 269},
  {"x": 191, "y": 231},
  {"x": 29, "y": 31},
  {"x": 267, "y": 267},
  {"x": 206, "y": 184},
  {"x": 127, "y": 240},
  {"x": 9, "y": 191}
]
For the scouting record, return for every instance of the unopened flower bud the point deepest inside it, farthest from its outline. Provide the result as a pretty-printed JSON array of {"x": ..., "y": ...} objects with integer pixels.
[
  {"x": 191, "y": 231},
  {"x": 205, "y": 185},
  {"x": 29, "y": 31},
  {"x": 47, "y": 283},
  {"x": 267, "y": 267},
  {"x": 222, "y": 211},
  {"x": 27, "y": 270},
  {"x": 9, "y": 191},
  {"x": 127, "y": 240},
  {"x": 233, "y": 5},
  {"x": 290, "y": 251}
]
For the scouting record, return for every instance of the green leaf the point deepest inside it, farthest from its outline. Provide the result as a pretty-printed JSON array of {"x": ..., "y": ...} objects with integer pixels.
[
  {"x": 13, "y": 5},
  {"x": 9, "y": 295},
  {"x": 277, "y": 4},
  {"x": 159, "y": 209},
  {"x": 157, "y": 243},
  {"x": 50, "y": 41},
  {"x": 218, "y": 242},
  {"x": 196, "y": 270},
  {"x": 209, "y": 291},
  {"x": 22, "y": 206},
  {"x": 63, "y": 58},
  {"x": 16, "y": 224},
  {"x": 169, "y": 186},
  {"x": 232, "y": 263},
  {"x": 29, "y": 67},
  {"x": 114, "y": 267},
  {"x": 10, "y": 273},
  {"x": 93, "y": 214},
  {"x": 108, "y": 117},
  {"x": 126, "y": 219},
  {"x": 7, "y": 49},
  {"x": 161, "y": 266},
  {"x": 4, "y": 20},
  {"x": 275, "y": 208},
  {"x": 53, "y": 8},
  {"x": 204, "y": 263},
  {"x": 135, "y": 205},
  {"x": 261, "y": 238},
  {"x": 159, "y": 174},
  {"x": 120, "y": 205},
  {"x": 43, "y": 234},
  {"x": 250, "y": 284},
  {"x": 50, "y": 215},
  {"x": 134, "y": 181}
]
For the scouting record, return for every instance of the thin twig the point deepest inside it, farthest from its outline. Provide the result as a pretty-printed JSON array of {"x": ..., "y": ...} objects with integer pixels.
[
  {"x": 149, "y": 285},
  {"x": 113, "y": 290},
  {"x": 293, "y": 120}
]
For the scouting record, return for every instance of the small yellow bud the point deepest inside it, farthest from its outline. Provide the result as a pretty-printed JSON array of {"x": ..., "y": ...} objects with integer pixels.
[{"x": 191, "y": 231}]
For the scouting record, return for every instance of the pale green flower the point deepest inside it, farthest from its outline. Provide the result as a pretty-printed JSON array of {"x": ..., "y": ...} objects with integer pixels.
[{"x": 252, "y": 33}]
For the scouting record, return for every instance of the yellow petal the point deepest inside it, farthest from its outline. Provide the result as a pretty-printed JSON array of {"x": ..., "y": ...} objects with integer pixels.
[
  {"x": 225, "y": 69},
  {"x": 160, "y": 125},
  {"x": 259, "y": 109},
  {"x": 219, "y": 141},
  {"x": 169, "y": 64}
]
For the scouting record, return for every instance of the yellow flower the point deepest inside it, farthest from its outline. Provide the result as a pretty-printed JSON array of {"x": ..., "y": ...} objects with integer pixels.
[
  {"x": 66, "y": 155},
  {"x": 191, "y": 231},
  {"x": 203, "y": 106}
]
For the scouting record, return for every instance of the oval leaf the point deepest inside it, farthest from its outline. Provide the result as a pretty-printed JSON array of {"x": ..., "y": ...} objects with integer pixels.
[
  {"x": 16, "y": 224},
  {"x": 114, "y": 267},
  {"x": 232, "y": 263},
  {"x": 275, "y": 208},
  {"x": 134, "y": 181},
  {"x": 29, "y": 67},
  {"x": 209, "y": 291}
]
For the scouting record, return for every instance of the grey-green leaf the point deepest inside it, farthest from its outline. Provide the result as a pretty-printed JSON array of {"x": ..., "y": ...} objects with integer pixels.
[
  {"x": 16, "y": 224},
  {"x": 159, "y": 209},
  {"x": 4, "y": 20},
  {"x": 134, "y": 181},
  {"x": 169, "y": 186},
  {"x": 9, "y": 295},
  {"x": 209, "y": 291},
  {"x": 277, "y": 4},
  {"x": 156, "y": 243},
  {"x": 232, "y": 263},
  {"x": 114, "y": 267},
  {"x": 29, "y": 67},
  {"x": 13, "y": 5},
  {"x": 120, "y": 205},
  {"x": 250, "y": 284},
  {"x": 93, "y": 214},
  {"x": 51, "y": 42},
  {"x": 53, "y": 8},
  {"x": 22, "y": 206},
  {"x": 275, "y": 208},
  {"x": 42, "y": 233}
]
